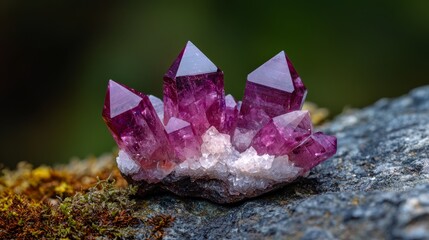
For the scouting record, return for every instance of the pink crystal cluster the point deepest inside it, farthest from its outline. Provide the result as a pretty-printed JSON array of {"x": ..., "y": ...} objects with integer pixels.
[{"x": 158, "y": 135}]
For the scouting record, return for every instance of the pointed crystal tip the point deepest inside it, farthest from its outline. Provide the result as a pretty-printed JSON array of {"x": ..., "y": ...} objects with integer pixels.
[
  {"x": 316, "y": 149},
  {"x": 175, "y": 124},
  {"x": 119, "y": 99},
  {"x": 274, "y": 73},
  {"x": 194, "y": 90},
  {"x": 191, "y": 61}
]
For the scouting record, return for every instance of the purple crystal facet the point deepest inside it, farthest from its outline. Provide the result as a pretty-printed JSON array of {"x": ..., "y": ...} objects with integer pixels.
[
  {"x": 316, "y": 149},
  {"x": 186, "y": 144},
  {"x": 271, "y": 90},
  {"x": 229, "y": 119},
  {"x": 158, "y": 105},
  {"x": 193, "y": 90},
  {"x": 275, "y": 87},
  {"x": 135, "y": 126},
  {"x": 283, "y": 133}
]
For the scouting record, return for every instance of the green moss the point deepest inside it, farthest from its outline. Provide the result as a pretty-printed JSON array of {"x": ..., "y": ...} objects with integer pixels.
[{"x": 63, "y": 203}]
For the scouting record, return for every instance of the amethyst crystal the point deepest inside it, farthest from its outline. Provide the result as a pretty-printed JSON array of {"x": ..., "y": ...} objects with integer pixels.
[
  {"x": 199, "y": 142},
  {"x": 193, "y": 90},
  {"x": 283, "y": 133},
  {"x": 315, "y": 149},
  {"x": 186, "y": 144},
  {"x": 137, "y": 130},
  {"x": 230, "y": 115},
  {"x": 271, "y": 90}
]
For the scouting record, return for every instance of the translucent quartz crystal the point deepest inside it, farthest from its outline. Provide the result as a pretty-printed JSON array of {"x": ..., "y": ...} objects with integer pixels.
[
  {"x": 271, "y": 90},
  {"x": 316, "y": 149},
  {"x": 193, "y": 90},
  {"x": 137, "y": 130},
  {"x": 182, "y": 137},
  {"x": 283, "y": 133},
  {"x": 229, "y": 119},
  {"x": 158, "y": 105}
]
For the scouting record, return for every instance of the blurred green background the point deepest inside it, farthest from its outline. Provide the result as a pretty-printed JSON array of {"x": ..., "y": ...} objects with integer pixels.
[{"x": 57, "y": 56}]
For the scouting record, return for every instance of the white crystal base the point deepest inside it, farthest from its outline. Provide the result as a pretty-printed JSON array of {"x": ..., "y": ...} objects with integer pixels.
[{"x": 243, "y": 172}]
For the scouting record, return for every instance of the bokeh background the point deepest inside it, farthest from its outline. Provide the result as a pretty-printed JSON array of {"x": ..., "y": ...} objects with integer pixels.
[{"x": 57, "y": 56}]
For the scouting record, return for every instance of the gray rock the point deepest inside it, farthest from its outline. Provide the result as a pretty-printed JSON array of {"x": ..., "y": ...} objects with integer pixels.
[{"x": 375, "y": 187}]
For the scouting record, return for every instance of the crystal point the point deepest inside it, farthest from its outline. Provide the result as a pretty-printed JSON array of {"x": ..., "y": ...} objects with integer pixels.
[
  {"x": 158, "y": 105},
  {"x": 275, "y": 87},
  {"x": 120, "y": 99},
  {"x": 271, "y": 90},
  {"x": 274, "y": 73},
  {"x": 283, "y": 133},
  {"x": 316, "y": 149},
  {"x": 230, "y": 116},
  {"x": 135, "y": 126},
  {"x": 193, "y": 62},
  {"x": 193, "y": 90},
  {"x": 182, "y": 137}
]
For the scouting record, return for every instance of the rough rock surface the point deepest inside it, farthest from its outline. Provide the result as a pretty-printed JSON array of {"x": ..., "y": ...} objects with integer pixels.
[{"x": 375, "y": 187}]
